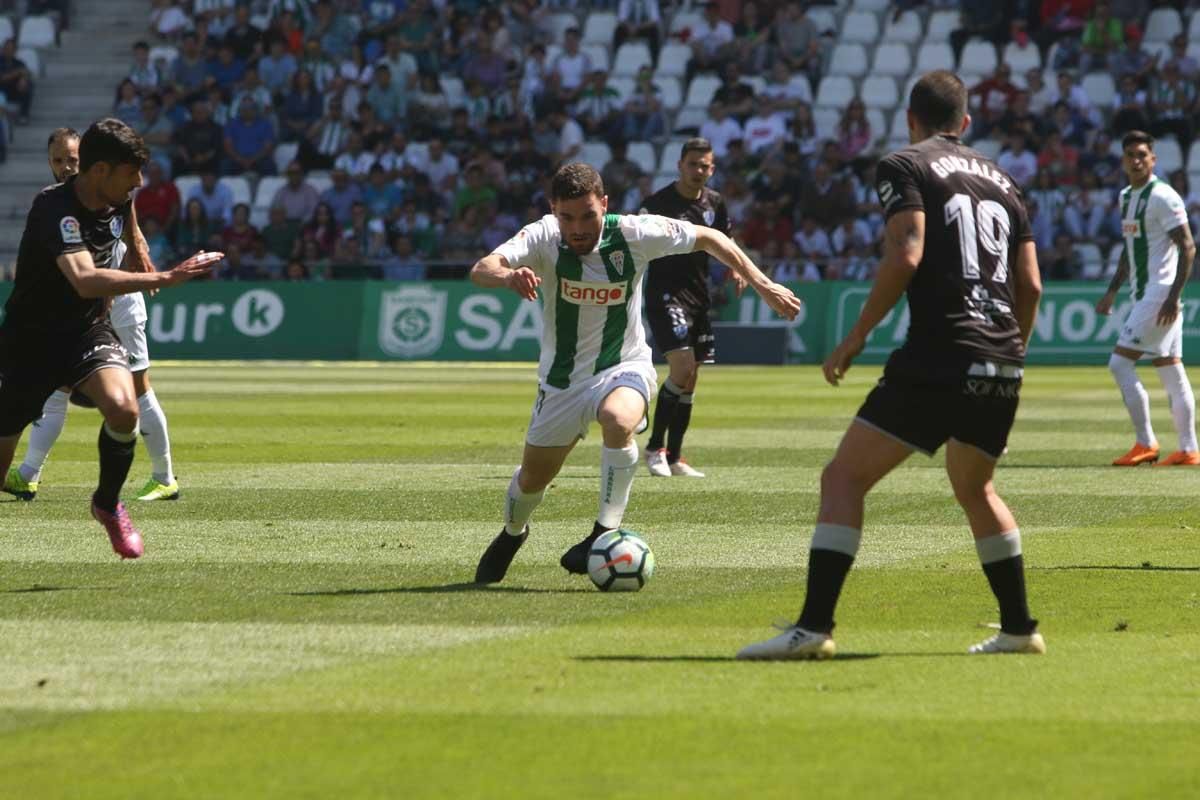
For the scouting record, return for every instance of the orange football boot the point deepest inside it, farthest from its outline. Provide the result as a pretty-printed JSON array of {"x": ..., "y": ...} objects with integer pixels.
[
  {"x": 1181, "y": 458},
  {"x": 1140, "y": 454}
]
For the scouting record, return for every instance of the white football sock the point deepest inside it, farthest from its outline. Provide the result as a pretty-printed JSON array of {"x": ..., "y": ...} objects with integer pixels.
[
  {"x": 518, "y": 507},
  {"x": 617, "y": 468},
  {"x": 1137, "y": 399},
  {"x": 43, "y": 434},
  {"x": 1183, "y": 404},
  {"x": 154, "y": 434}
]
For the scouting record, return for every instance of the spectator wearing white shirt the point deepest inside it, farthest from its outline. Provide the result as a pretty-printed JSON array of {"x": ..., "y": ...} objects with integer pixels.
[
  {"x": 782, "y": 93},
  {"x": 571, "y": 68},
  {"x": 441, "y": 167},
  {"x": 356, "y": 161},
  {"x": 639, "y": 19},
  {"x": 765, "y": 131},
  {"x": 402, "y": 64},
  {"x": 710, "y": 40},
  {"x": 570, "y": 134},
  {"x": 850, "y": 234},
  {"x": 720, "y": 129},
  {"x": 1041, "y": 96},
  {"x": 1018, "y": 160},
  {"x": 216, "y": 197},
  {"x": 813, "y": 242}
]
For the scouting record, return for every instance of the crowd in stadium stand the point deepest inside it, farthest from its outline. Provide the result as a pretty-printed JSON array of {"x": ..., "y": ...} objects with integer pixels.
[{"x": 405, "y": 138}]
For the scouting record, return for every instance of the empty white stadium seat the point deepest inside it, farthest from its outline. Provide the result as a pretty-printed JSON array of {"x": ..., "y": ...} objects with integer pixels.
[
  {"x": 320, "y": 181},
  {"x": 673, "y": 59},
  {"x": 285, "y": 153},
  {"x": 879, "y": 91},
  {"x": 701, "y": 90},
  {"x": 685, "y": 20},
  {"x": 599, "y": 28},
  {"x": 825, "y": 120},
  {"x": 860, "y": 26},
  {"x": 453, "y": 89},
  {"x": 800, "y": 85},
  {"x": 1162, "y": 25},
  {"x": 6, "y": 29},
  {"x": 595, "y": 153},
  {"x": 239, "y": 187},
  {"x": 1161, "y": 49},
  {"x": 1100, "y": 88},
  {"x": 32, "y": 60},
  {"x": 1169, "y": 154},
  {"x": 689, "y": 118},
  {"x": 892, "y": 58},
  {"x": 906, "y": 29},
  {"x": 558, "y": 24},
  {"x": 879, "y": 125},
  {"x": 670, "y": 92},
  {"x": 824, "y": 18},
  {"x": 37, "y": 31},
  {"x": 988, "y": 147},
  {"x": 899, "y": 127},
  {"x": 834, "y": 91},
  {"x": 1022, "y": 59},
  {"x": 165, "y": 53},
  {"x": 184, "y": 185},
  {"x": 871, "y": 5},
  {"x": 934, "y": 55},
  {"x": 978, "y": 56},
  {"x": 623, "y": 86},
  {"x": 631, "y": 57},
  {"x": 1194, "y": 27},
  {"x": 848, "y": 59},
  {"x": 941, "y": 23},
  {"x": 598, "y": 54},
  {"x": 642, "y": 154},
  {"x": 668, "y": 159},
  {"x": 1193, "y": 162},
  {"x": 264, "y": 193}
]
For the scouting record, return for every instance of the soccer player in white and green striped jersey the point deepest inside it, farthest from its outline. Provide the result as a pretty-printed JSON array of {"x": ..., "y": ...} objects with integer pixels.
[
  {"x": 1157, "y": 259},
  {"x": 595, "y": 363}
]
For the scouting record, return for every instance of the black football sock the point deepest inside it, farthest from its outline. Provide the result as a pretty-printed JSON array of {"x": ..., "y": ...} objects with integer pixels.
[
  {"x": 679, "y": 426},
  {"x": 1005, "y": 569},
  {"x": 664, "y": 410},
  {"x": 116, "y": 457},
  {"x": 829, "y": 561}
]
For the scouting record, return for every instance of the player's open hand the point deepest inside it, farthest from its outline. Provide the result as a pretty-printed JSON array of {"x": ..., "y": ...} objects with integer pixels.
[
  {"x": 199, "y": 264},
  {"x": 838, "y": 363},
  {"x": 1168, "y": 312},
  {"x": 1104, "y": 305},
  {"x": 782, "y": 300},
  {"x": 524, "y": 282}
]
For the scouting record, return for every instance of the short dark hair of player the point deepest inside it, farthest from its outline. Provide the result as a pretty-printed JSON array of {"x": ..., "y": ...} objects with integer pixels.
[
  {"x": 61, "y": 133},
  {"x": 1137, "y": 137},
  {"x": 939, "y": 101},
  {"x": 575, "y": 180},
  {"x": 697, "y": 144},
  {"x": 111, "y": 141}
]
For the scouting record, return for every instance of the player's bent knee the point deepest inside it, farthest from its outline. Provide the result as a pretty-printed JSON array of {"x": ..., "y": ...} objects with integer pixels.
[{"x": 838, "y": 478}]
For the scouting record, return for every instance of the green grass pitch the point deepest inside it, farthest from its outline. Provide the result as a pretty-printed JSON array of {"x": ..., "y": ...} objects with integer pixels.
[{"x": 301, "y": 625}]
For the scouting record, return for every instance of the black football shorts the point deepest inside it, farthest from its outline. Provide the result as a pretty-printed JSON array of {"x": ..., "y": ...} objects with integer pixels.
[
  {"x": 31, "y": 369},
  {"x": 676, "y": 326},
  {"x": 975, "y": 405}
]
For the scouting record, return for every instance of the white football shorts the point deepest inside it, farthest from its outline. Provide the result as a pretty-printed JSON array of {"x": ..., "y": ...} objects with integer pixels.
[
  {"x": 133, "y": 339},
  {"x": 1141, "y": 331},
  {"x": 560, "y": 416}
]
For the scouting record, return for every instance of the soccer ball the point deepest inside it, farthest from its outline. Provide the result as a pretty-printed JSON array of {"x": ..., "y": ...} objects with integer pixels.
[{"x": 620, "y": 561}]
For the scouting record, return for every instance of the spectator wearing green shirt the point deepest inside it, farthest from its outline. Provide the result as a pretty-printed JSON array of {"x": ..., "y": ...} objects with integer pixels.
[
  {"x": 474, "y": 193},
  {"x": 281, "y": 235},
  {"x": 1103, "y": 37}
]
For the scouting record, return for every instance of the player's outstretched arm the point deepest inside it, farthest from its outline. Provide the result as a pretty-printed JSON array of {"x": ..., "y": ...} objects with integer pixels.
[
  {"x": 493, "y": 272},
  {"x": 88, "y": 281},
  {"x": 1105, "y": 304},
  {"x": 780, "y": 298},
  {"x": 903, "y": 249},
  {"x": 1028, "y": 280}
]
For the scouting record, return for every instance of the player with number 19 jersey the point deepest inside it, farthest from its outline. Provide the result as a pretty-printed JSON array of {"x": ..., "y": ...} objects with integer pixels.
[{"x": 958, "y": 374}]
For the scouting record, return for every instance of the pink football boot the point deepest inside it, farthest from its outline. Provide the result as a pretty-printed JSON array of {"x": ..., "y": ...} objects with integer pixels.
[{"x": 126, "y": 541}]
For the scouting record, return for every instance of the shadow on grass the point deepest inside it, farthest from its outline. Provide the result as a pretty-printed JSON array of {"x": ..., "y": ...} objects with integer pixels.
[
  {"x": 1119, "y": 567},
  {"x": 710, "y": 659},
  {"x": 36, "y": 589},
  {"x": 449, "y": 588}
]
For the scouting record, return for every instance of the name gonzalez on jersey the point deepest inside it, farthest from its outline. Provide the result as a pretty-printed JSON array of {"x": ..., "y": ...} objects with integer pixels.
[
  {"x": 592, "y": 293},
  {"x": 946, "y": 165}
]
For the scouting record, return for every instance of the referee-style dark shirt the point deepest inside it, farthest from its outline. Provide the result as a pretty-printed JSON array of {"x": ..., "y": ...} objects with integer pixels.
[
  {"x": 43, "y": 302},
  {"x": 683, "y": 278},
  {"x": 961, "y": 297}
]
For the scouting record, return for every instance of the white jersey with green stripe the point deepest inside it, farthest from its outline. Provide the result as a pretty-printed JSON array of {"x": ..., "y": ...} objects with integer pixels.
[
  {"x": 1148, "y": 214},
  {"x": 592, "y": 303}
]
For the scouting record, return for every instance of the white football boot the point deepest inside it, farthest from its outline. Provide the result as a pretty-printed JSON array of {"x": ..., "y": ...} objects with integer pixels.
[
  {"x": 1002, "y": 642},
  {"x": 682, "y": 469},
  {"x": 656, "y": 462},
  {"x": 793, "y": 644}
]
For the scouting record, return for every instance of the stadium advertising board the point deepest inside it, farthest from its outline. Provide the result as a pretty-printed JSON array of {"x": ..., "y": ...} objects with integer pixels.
[{"x": 455, "y": 321}]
